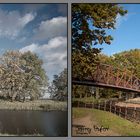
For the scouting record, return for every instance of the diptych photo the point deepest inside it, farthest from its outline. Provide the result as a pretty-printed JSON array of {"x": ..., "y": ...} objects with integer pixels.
[
  {"x": 33, "y": 70},
  {"x": 105, "y": 69},
  {"x": 104, "y": 77}
]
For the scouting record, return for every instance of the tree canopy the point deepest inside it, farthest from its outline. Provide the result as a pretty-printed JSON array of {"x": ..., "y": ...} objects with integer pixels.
[
  {"x": 90, "y": 23},
  {"x": 129, "y": 60},
  {"x": 101, "y": 16},
  {"x": 21, "y": 76},
  {"x": 84, "y": 36},
  {"x": 58, "y": 88}
]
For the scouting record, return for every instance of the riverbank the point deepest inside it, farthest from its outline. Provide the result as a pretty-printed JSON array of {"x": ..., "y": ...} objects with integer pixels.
[{"x": 45, "y": 105}]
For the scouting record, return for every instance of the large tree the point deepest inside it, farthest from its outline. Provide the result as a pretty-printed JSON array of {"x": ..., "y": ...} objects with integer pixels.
[
  {"x": 21, "y": 76},
  {"x": 89, "y": 24},
  {"x": 36, "y": 78}
]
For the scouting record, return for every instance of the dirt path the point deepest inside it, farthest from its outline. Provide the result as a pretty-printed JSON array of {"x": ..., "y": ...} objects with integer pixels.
[{"x": 85, "y": 127}]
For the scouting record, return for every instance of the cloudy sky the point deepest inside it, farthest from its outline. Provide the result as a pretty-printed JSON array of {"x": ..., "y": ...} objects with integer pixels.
[{"x": 40, "y": 28}]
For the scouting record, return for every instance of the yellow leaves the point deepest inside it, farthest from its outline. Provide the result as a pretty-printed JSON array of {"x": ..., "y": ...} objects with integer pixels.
[{"x": 83, "y": 63}]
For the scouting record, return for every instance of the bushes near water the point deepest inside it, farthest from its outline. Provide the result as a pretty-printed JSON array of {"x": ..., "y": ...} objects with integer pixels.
[{"x": 46, "y": 105}]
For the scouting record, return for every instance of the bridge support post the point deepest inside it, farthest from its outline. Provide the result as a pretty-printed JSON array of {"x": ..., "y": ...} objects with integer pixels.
[
  {"x": 132, "y": 95},
  {"x": 110, "y": 106},
  {"x": 97, "y": 93},
  {"x": 105, "y": 106},
  {"x": 125, "y": 112},
  {"x": 126, "y": 96},
  {"x": 134, "y": 113},
  {"x": 120, "y": 94}
]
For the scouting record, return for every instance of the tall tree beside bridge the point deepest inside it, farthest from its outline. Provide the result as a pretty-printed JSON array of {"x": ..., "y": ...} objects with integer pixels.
[
  {"x": 84, "y": 36},
  {"x": 101, "y": 17},
  {"x": 21, "y": 76}
]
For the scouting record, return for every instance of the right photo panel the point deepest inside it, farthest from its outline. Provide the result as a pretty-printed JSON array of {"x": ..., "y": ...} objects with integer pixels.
[{"x": 105, "y": 69}]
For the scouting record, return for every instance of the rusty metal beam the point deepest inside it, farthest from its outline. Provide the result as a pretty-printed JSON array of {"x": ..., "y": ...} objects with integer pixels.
[
  {"x": 109, "y": 76},
  {"x": 91, "y": 83}
]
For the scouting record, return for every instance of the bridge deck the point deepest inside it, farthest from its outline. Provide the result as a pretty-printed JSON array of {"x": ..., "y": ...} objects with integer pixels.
[
  {"x": 111, "y": 77},
  {"x": 91, "y": 83}
]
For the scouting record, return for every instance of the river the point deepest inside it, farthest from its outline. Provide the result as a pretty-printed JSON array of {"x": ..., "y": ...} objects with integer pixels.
[{"x": 53, "y": 123}]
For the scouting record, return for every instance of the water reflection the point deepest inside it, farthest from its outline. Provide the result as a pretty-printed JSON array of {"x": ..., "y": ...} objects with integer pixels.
[{"x": 52, "y": 123}]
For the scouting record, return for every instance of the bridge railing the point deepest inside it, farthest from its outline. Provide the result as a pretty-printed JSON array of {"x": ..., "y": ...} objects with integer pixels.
[
  {"x": 129, "y": 113},
  {"x": 113, "y": 76}
]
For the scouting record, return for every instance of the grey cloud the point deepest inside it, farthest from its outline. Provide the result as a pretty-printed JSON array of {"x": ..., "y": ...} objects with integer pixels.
[{"x": 11, "y": 23}]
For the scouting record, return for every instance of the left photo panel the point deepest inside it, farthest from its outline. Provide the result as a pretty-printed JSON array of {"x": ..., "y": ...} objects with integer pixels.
[{"x": 33, "y": 70}]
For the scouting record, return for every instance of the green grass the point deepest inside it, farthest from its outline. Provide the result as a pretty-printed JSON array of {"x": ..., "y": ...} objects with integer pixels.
[
  {"x": 115, "y": 123},
  {"x": 79, "y": 113}
]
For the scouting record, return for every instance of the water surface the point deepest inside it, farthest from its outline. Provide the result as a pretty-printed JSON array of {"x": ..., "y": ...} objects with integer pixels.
[{"x": 53, "y": 123}]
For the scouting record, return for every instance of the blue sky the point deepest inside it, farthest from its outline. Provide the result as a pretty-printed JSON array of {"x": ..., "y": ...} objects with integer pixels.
[
  {"x": 40, "y": 28},
  {"x": 127, "y": 33}
]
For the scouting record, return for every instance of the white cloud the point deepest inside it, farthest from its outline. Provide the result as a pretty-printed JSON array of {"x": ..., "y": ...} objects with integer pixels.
[
  {"x": 120, "y": 19},
  {"x": 26, "y": 19},
  {"x": 32, "y": 48},
  {"x": 54, "y": 27},
  {"x": 54, "y": 54},
  {"x": 11, "y": 23}
]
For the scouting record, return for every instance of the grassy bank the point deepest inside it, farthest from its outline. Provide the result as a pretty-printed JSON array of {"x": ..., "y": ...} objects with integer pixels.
[
  {"x": 46, "y": 105},
  {"x": 115, "y": 123}
]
